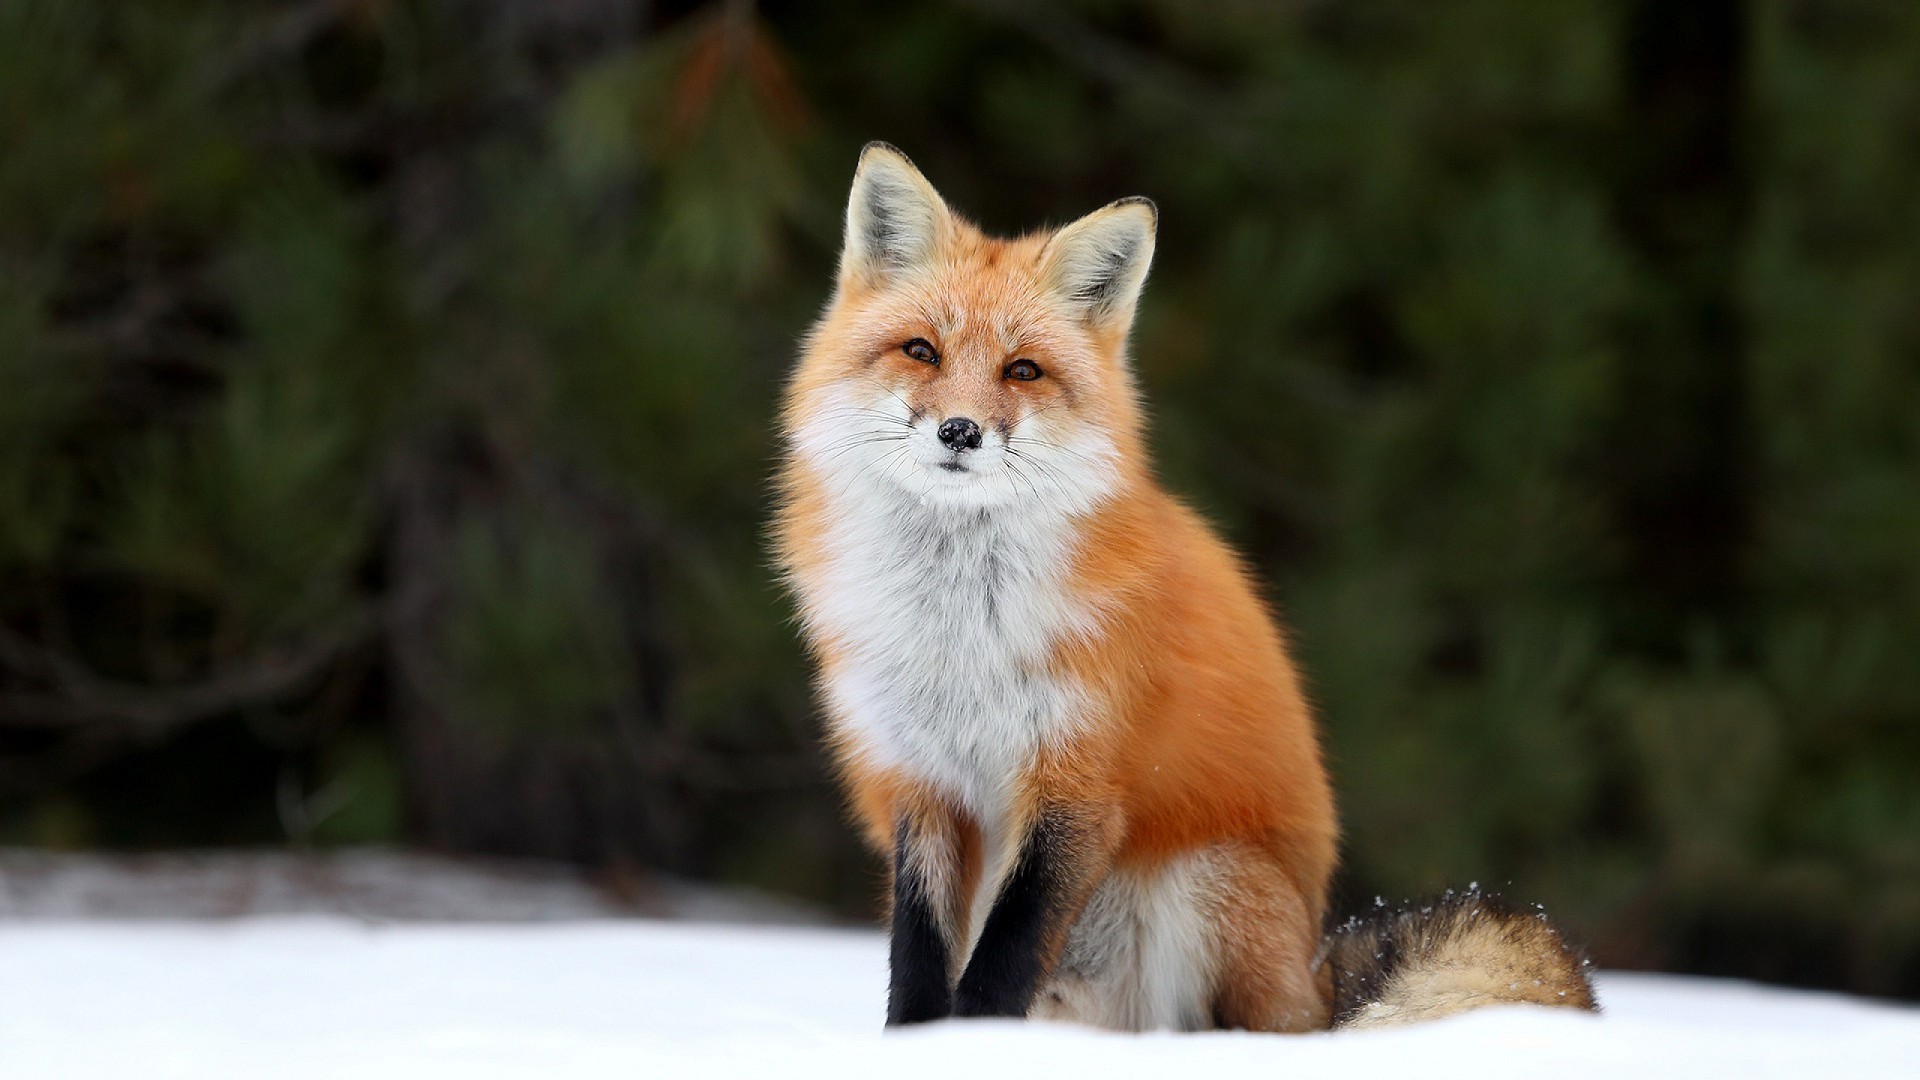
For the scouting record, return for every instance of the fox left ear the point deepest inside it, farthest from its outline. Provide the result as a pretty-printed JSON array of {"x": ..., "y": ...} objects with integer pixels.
[{"x": 1100, "y": 262}]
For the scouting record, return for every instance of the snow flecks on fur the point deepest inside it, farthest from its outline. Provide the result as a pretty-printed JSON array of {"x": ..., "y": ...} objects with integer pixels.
[{"x": 1459, "y": 951}]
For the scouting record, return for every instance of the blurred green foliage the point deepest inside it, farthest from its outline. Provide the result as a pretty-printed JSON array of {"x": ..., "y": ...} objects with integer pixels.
[{"x": 386, "y": 393}]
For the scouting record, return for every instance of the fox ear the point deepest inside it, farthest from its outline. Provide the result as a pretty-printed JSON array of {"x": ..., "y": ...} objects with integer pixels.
[
  {"x": 895, "y": 220},
  {"x": 1100, "y": 262}
]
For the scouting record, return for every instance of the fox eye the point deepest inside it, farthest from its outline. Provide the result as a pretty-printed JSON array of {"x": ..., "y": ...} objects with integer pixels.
[
  {"x": 1024, "y": 370},
  {"x": 921, "y": 351}
]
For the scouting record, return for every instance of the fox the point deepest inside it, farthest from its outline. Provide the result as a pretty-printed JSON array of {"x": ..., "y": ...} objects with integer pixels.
[{"x": 1059, "y": 708}]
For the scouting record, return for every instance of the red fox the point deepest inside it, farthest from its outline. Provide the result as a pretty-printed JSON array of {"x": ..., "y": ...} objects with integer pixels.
[{"x": 1057, "y": 702}]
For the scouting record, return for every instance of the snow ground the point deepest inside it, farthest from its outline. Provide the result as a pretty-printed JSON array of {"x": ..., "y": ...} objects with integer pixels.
[
  {"x": 313, "y": 997},
  {"x": 365, "y": 884}
]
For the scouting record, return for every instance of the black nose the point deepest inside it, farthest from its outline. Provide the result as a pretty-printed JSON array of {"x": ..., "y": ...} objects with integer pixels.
[{"x": 960, "y": 433}]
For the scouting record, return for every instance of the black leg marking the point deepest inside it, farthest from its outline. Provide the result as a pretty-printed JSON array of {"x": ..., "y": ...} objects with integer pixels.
[
  {"x": 1005, "y": 970},
  {"x": 917, "y": 990}
]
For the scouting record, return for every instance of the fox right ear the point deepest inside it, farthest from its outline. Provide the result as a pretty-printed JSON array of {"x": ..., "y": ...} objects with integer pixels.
[
  {"x": 1100, "y": 262},
  {"x": 895, "y": 220}
]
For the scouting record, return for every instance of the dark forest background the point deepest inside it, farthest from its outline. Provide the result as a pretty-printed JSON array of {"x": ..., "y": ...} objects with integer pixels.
[{"x": 386, "y": 393}]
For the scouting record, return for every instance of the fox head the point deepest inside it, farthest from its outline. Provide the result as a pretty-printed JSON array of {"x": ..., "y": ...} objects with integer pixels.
[{"x": 961, "y": 369}]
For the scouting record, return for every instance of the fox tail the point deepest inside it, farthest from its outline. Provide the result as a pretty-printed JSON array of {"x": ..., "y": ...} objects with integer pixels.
[{"x": 1449, "y": 954}]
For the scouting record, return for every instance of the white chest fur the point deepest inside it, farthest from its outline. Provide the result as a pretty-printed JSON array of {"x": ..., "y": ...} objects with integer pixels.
[{"x": 948, "y": 616}]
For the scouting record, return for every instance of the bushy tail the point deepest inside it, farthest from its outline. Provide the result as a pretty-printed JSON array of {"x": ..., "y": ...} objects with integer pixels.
[{"x": 1449, "y": 954}]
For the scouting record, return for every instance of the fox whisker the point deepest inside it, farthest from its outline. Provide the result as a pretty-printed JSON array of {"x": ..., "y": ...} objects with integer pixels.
[
  {"x": 1016, "y": 456},
  {"x": 1053, "y": 446},
  {"x": 895, "y": 394},
  {"x": 859, "y": 412},
  {"x": 1013, "y": 469},
  {"x": 858, "y": 439}
]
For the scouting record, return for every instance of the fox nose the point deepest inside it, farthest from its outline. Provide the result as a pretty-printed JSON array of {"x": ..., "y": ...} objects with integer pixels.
[{"x": 960, "y": 433}]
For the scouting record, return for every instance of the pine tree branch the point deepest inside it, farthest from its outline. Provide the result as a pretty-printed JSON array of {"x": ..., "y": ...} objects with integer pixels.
[
  {"x": 1127, "y": 67},
  {"x": 82, "y": 701}
]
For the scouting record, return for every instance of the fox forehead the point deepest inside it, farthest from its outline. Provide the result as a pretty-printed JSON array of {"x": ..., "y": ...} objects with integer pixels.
[{"x": 986, "y": 293}]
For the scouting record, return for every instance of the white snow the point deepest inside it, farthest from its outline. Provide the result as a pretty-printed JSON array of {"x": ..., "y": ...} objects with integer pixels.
[{"x": 305, "y": 997}]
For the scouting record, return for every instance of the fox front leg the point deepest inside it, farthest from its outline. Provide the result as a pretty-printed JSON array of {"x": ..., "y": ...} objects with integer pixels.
[
  {"x": 1057, "y": 869},
  {"x": 933, "y": 866}
]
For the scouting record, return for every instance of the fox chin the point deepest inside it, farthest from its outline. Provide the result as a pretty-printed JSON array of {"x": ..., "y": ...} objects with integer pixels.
[{"x": 1057, "y": 703}]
